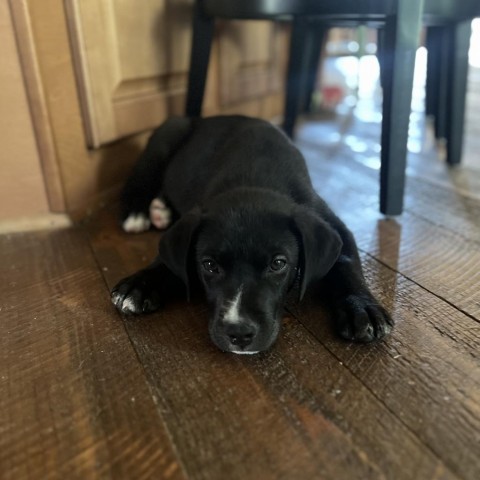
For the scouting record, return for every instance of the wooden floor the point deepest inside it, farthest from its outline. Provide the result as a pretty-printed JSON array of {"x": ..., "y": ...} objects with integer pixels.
[{"x": 86, "y": 393}]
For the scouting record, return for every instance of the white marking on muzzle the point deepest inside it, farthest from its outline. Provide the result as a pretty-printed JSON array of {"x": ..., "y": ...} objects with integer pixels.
[{"x": 232, "y": 314}]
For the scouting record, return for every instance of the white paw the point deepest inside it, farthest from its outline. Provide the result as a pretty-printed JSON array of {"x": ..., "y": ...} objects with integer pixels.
[
  {"x": 160, "y": 214},
  {"x": 136, "y": 222}
]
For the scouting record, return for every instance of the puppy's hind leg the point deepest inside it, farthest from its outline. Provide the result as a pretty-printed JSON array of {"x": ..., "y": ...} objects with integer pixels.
[{"x": 140, "y": 195}]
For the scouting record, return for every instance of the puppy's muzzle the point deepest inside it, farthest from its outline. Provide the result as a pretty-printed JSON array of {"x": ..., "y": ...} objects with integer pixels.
[
  {"x": 245, "y": 336},
  {"x": 238, "y": 326},
  {"x": 240, "y": 335}
]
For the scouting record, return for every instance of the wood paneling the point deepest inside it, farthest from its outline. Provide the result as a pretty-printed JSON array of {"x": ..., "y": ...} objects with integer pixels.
[
  {"x": 252, "y": 60},
  {"x": 21, "y": 181},
  {"x": 87, "y": 175},
  {"x": 137, "y": 89},
  {"x": 37, "y": 103},
  {"x": 132, "y": 61}
]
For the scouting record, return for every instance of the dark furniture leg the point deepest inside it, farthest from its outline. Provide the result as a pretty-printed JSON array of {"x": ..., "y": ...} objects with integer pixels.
[
  {"x": 202, "y": 37},
  {"x": 441, "y": 58},
  {"x": 457, "y": 88},
  {"x": 381, "y": 53},
  {"x": 300, "y": 45},
  {"x": 433, "y": 45},
  {"x": 319, "y": 34},
  {"x": 401, "y": 40}
]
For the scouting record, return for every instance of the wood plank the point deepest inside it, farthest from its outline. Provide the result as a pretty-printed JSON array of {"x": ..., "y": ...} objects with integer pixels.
[
  {"x": 294, "y": 412},
  {"x": 427, "y": 373},
  {"x": 434, "y": 243},
  {"x": 447, "y": 205},
  {"x": 74, "y": 402},
  {"x": 449, "y": 266}
]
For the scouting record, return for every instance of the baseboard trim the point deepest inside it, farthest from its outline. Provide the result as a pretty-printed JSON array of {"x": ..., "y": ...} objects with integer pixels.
[{"x": 47, "y": 221}]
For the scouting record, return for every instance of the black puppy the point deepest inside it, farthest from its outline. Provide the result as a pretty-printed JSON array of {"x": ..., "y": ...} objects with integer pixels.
[{"x": 248, "y": 224}]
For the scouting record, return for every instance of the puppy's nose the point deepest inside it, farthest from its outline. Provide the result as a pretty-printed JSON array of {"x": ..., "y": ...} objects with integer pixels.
[{"x": 241, "y": 335}]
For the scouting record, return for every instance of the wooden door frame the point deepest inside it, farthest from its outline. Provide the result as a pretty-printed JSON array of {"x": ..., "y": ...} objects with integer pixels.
[{"x": 37, "y": 103}]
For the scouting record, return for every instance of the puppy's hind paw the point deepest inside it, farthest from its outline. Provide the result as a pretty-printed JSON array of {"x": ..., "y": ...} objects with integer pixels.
[
  {"x": 160, "y": 214},
  {"x": 136, "y": 223},
  {"x": 360, "y": 318}
]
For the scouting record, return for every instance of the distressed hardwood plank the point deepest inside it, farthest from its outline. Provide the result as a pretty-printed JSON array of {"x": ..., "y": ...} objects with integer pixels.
[
  {"x": 447, "y": 206},
  {"x": 440, "y": 259},
  {"x": 294, "y": 412},
  {"x": 435, "y": 347},
  {"x": 74, "y": 402},
  {"x": 427, "y": 373}
]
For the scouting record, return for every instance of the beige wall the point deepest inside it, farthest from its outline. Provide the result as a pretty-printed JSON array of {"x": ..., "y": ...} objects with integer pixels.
[{"x": 22, "y": 190}]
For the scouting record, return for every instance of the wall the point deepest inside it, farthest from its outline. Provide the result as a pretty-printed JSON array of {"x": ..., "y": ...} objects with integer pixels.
[{"x": 22, "y": 190}]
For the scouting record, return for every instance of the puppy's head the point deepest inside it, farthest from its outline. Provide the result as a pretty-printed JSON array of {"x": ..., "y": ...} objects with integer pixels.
[{"x": 247, "y": 253}]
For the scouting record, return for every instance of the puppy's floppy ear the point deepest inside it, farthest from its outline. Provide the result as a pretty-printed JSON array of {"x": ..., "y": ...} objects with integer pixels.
[
  {"x": 175, "y": 245},
  {"x": 321, "y": 246}
]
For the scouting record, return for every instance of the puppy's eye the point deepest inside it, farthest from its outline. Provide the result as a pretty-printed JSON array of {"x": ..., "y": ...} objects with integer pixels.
[
  {"x": 278, "y": 264},
  {"x": 210, "y": 266}
]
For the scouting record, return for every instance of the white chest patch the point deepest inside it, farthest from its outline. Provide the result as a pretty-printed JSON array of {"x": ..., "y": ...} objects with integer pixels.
[{"x": 232, "y": 313}]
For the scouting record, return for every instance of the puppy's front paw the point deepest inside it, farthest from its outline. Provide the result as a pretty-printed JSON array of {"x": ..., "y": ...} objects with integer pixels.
[
  {"x": 135, "y": 295},
  {"x": 360, "y": 318}
]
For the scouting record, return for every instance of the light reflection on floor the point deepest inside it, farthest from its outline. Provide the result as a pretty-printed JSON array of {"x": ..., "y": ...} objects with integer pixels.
[
  {"x": 363, "y": 76},
  {"x": 360, "y": 79}
]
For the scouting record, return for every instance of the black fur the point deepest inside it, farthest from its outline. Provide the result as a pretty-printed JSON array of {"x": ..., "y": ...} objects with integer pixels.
[{"x": 248, "y": 224}]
